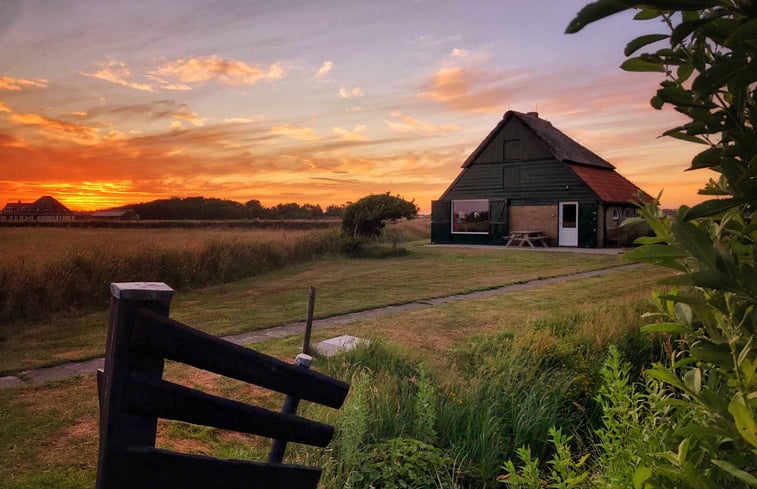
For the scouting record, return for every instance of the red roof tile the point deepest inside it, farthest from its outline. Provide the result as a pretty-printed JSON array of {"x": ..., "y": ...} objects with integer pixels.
[{"x": 609, "y": 185}]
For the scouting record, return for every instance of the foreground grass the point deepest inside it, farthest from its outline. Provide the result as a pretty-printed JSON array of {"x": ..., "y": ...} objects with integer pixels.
[
  {"x": 278, "y": 297},
  {"x": 48, "y": 434}
]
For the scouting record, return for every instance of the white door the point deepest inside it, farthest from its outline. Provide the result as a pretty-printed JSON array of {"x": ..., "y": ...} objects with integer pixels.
[{"x": 568, "y": 225}]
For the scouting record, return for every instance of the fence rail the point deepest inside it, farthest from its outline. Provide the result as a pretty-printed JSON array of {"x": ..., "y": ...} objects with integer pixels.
[{"x": 133, "y": 396}]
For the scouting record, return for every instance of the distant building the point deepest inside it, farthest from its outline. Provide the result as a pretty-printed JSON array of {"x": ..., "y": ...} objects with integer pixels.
[
  {"x": 44, "y": 209},
  {"x": 116, "y": 214}
]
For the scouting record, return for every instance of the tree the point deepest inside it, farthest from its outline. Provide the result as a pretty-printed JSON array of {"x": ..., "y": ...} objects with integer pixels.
[
  {"x": 710, "y": 74},
  {"x": 367, "y": 216}
]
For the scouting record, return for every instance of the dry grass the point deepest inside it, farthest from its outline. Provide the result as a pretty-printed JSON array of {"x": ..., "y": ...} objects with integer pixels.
[{"x": 48, "y": 434}]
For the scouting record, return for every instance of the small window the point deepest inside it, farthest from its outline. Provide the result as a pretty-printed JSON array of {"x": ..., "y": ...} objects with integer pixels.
[
  {"x": 470, "y": 216},
  {"x": 616, "y": 214},
  {"x": 628, "y": 212},
  {"x": 511, "y": 149}
]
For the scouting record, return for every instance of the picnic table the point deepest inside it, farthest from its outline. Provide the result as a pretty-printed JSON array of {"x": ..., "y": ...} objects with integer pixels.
[{"x": 527, "y": 237}]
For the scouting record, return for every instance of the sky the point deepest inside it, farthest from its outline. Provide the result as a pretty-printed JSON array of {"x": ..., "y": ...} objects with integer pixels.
[{"x": 105, "y": 103}]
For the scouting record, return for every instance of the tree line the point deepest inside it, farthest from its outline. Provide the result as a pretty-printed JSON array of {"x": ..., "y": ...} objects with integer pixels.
[{"x": 202, "y": 208}]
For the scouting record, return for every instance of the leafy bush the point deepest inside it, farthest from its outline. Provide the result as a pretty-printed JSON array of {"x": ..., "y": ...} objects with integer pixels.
[
  {"x": 366, "y": 217},
  {"x": 402, "y": 463},
  {"x": 709, "y": 66}
]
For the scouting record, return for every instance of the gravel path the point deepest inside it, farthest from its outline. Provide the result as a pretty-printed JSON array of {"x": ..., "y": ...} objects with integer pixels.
[{"x": 60, "y": 372}]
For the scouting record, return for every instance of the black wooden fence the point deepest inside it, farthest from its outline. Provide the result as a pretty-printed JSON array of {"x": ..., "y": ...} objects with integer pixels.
[{"x": 133, "y": 396}]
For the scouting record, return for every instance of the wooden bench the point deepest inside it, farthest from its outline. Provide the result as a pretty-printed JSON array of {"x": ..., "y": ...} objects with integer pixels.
[{"x": 133, "y": 396}]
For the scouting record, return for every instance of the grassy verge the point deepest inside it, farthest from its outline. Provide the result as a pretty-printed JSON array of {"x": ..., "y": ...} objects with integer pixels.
[
  {"x": 48, "y": 434},
  {"x": 280, "y": 296}
]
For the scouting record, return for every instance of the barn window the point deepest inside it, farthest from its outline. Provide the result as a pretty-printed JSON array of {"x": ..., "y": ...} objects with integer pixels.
[
  {"x": 470, "y": 216},
  {"x": 511, "y": 149}
]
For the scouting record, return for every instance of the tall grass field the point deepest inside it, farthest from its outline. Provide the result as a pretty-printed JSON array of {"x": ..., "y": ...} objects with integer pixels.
[{"x": 50, "y": 270}]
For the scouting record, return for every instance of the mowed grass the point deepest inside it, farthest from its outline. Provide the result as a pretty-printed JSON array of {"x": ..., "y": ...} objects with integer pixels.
[
  {"x": 342, "y": 285},
  {"x": 48, "y": 434}
]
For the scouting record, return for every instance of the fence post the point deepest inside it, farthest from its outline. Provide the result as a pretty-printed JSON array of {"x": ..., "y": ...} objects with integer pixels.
[
  {"x": 276, "y": 455},
  {"x": 119, "y": 429}
]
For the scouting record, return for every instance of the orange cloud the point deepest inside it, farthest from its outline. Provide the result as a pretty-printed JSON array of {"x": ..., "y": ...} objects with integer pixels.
[
  {"x": 407, "y": 124},
  {"x": 5, "y": 108},
  {"x": 16, "y": 84},
  {"x": 355, "y": 92},
  {"x": 471, "y": 90},
  {"x": 118, "y": 73},
  {"x": 233, "y": 72},
  {"x": 159, "y": 109},
  {"x": 324, "y": 70},
  {"x": 59, "y": 130},
  {"x": 355, "y": 135},
  {"x": 294, "y": 132}
]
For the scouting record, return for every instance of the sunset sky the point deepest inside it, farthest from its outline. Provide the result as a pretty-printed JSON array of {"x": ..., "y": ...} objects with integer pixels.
[{"x": 104, "y": 103}]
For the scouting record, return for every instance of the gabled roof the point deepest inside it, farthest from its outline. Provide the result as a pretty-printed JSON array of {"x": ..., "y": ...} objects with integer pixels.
[
  {"x": 609, "y": 185},
  {"x": 562, "y": 147},
  {"x": 44, "y": 206}
]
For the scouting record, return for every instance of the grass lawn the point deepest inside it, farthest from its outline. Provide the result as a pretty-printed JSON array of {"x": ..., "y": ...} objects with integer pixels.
[
  {"x": 343, "y": 285},
  {"x": 48, "y": 434}
]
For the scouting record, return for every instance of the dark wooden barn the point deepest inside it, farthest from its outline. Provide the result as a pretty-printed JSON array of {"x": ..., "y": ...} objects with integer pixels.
[{"x": 528, "y": 175}]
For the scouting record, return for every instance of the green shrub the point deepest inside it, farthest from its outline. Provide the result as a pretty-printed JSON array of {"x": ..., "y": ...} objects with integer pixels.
[{"x": 403, "y": 463}]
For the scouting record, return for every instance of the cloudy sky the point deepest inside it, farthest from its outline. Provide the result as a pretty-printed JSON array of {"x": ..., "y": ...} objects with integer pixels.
[{"x": 106, "y": 102}]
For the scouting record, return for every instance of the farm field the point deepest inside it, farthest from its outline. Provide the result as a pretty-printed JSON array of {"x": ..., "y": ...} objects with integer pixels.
[
  {"x": 49, "y": 433},
  {"x": 280, "y": 296}
]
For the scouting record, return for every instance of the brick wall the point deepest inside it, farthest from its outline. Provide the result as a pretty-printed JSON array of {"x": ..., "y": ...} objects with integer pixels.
[{"x": 535, "y": 217}]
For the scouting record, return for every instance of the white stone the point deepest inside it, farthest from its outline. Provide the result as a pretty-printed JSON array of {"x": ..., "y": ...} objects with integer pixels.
[{"x": 333, "y": 346}]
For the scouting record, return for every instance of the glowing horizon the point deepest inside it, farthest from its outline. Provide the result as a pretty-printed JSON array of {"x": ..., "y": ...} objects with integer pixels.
[{"x": 320, "y": 104}]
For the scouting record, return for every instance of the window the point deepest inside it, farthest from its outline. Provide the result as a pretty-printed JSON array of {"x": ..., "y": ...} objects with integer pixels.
[
  {"x": 569, "y": 216},
  {"x": 470, "y": 216},
  {"x": 511, "y": 149}
]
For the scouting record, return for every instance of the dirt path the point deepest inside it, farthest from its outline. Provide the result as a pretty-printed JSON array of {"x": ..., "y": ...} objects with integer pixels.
[{"x": 48, "y": 374}]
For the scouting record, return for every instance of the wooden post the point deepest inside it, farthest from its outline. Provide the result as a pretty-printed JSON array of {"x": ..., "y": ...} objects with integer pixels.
[
  {"x": 276, "y": 455},
  {"x": 309, "y": 323},
  {"x": 119, "y": 429}
]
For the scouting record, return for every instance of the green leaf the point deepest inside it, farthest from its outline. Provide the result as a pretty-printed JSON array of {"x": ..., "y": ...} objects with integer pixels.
[
  {"x": 684, "y": 72},
  {"x": 647, "y": 14},
  {"x": 717, "y": 354},
  {"x": 696, "y": 241},
  {"x": 693, "y": 380},
  {"x": 638, "y": 64},
  {"x": 746, "y": 32},
  {"x": 676, "y": 96},
  {"x": 736, "y": 472},
  {"x": 743, "y": 418},
  {"x": 657, "y": 102},
  {"x": 707, "y": 158},
  {"x": 666, "y": 328},
  {"x": 684, "y": 313},
  {"x": 594, "y": 12},
  {"x": 659, "y": 255},
  {"x": 642, "y": 41},
  {"x": 710, "y": 208},
  {"x": 664, "y": 375},
  {"x": 678, "y": 134},
  {"x": 720, "y": 72}
]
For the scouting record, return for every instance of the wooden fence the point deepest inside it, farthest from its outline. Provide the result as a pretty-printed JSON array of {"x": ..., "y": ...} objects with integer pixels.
[{"x": 133, "y": 396}]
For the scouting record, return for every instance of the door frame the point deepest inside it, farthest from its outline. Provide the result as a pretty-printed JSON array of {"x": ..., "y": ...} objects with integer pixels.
[{"x": 566, "y": 236}]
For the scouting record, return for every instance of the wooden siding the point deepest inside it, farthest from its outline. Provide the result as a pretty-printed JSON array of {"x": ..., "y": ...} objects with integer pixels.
[
  {"x": 528, "y": 146},
  {"x": 542, "y": 182}
]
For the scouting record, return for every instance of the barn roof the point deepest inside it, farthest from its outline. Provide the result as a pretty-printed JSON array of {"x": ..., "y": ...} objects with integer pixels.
[
  {"x": 562, "y": 147},
  {"x": 609, "y": 185}
]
